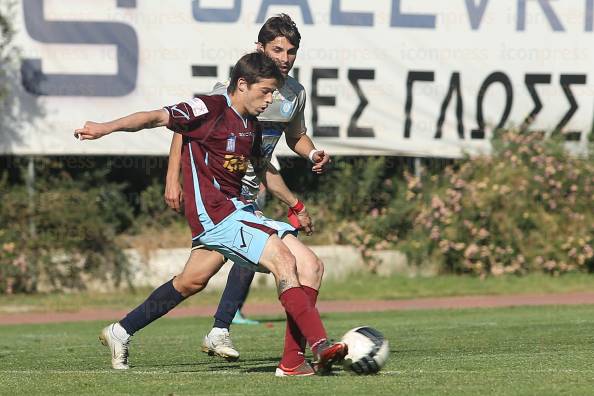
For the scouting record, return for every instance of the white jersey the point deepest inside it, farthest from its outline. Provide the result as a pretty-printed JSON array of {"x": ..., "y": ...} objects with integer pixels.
[{"x": 284, "y": 115}]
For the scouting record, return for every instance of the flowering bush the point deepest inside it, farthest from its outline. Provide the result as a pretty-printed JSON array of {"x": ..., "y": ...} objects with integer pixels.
[{"x": 526, "y": 207}]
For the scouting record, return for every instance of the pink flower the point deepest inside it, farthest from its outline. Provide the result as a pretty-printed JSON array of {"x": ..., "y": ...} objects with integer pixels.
[
  {"x": 444, "y": 246},
  {"x": 471, "y": 251},
  {"x": 483, "y": 234},
  {"x": 435, "y": 234}
]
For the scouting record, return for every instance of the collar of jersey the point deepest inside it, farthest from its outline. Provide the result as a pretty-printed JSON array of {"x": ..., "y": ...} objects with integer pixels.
[{"x": 226, "y": 95}]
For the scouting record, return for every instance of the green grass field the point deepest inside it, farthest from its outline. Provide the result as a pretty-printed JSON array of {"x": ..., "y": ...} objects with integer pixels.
[{"x": 532, "y": 350}]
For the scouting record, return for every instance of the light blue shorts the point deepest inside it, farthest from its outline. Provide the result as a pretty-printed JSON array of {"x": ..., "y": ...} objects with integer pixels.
[{"x": 242, "y": 236}]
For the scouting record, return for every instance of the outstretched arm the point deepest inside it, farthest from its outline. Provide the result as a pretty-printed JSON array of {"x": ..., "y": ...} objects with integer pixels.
[
  {"x": 131, "y": 123},
  {"x": 173, "y": 192}
]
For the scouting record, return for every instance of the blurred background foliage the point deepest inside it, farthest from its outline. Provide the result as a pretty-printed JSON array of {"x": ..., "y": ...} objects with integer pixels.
[{"x": 525, "y": 208}]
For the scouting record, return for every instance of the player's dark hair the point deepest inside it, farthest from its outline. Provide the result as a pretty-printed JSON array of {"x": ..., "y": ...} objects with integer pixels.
[
  {"x": 279, "y": 25},
  {"x": 254, "y": 67}
]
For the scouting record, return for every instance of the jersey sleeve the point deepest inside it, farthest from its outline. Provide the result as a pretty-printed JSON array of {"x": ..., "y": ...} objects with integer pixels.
[
  {"x": 188, "y": 117},
  {"x": 296, "y": 127}
]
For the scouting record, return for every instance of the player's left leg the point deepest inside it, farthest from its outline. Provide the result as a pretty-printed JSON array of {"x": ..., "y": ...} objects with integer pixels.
[{"x": 199, "y": 268}]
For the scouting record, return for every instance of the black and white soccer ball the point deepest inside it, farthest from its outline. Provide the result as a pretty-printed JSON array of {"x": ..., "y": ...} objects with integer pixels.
[{"x": 368, "y": 350}]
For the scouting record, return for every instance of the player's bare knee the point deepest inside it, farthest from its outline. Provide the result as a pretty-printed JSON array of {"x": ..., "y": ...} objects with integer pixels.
[
  {"x": 188, "y": 286},
  {"x": 318, "y": 268},
  {"x": 311, "y": 272},
  {"x": 313, "y": 268}
]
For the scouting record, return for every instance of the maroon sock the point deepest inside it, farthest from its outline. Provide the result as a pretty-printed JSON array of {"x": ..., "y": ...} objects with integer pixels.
[
  {"x": 307, "y": 318},
  {"x": 313, "y": 299},
  {"x": 293, "y": 355},
  {"x": 312, "y": 294}
]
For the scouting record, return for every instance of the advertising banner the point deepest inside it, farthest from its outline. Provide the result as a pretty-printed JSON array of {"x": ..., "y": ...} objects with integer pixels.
[{"x": 391, "y": 77}]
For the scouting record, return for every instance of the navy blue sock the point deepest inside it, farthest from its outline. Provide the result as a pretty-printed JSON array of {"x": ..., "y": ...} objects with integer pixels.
[
  {"x": 162, "y": 300},
  {"x": 234, "y": 295}
]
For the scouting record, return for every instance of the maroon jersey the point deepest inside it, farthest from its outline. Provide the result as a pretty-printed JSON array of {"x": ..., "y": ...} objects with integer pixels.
[{"x": 218, "y": 143}]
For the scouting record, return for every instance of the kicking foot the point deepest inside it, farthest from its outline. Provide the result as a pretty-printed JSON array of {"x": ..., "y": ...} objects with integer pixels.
[
  {"x": 218, "y": 342},
  {"x": 118, "y": 347},
  {"x": 327, "y": 354}
]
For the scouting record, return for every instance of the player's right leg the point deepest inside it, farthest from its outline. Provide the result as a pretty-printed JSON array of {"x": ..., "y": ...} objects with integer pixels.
[
  {"x": 277, "y": 258},
  {"x": 200, "y": 267},
  {"x": 309, "y": 270},
  {"x": 249, "y": 239}
]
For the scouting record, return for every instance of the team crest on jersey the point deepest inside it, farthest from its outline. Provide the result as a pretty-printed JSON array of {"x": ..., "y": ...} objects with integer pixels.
[
  {"x": 286, "y": 107},
  {"x": 231, "y": 143}
]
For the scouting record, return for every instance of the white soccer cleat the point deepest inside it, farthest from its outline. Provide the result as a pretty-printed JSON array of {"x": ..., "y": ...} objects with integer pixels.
[
  {"x": 119, "y": 348},
  {"x": 218, "y": 342}
]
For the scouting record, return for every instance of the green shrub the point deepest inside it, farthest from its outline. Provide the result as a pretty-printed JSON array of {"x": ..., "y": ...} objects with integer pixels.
[
  {"x": 62, "y": 236},
  {"x": 154, "y": 212}
]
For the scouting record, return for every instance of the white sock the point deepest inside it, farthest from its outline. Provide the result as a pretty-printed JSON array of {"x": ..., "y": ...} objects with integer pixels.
[{"x": 119, "y": 332}]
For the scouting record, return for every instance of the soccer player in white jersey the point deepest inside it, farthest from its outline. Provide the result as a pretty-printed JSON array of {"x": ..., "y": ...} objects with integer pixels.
[{"x": 279, "y": 38}]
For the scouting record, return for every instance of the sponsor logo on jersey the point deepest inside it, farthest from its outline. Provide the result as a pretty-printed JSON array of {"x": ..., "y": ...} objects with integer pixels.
[{"x": 234, "y": 163}]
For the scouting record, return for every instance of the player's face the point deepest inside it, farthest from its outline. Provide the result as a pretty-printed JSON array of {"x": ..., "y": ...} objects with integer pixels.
[
  {"x": 259, "y": 95},
  {"x": 282, "y": 52}
]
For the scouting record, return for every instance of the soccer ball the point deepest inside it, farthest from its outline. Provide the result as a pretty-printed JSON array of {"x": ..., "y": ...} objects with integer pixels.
[{"x": 368, "y": 350}]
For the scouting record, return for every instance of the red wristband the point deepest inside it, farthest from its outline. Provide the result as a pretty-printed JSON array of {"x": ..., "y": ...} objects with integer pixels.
[
  {"x": 293, "y": 219},
  {"x": 298, "y": 207}
]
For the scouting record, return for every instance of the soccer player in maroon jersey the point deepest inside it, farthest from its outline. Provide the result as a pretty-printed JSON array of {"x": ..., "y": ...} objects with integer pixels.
[
  {"x": 279, "y": 38},
  {"x": 221, "y": 134}
]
